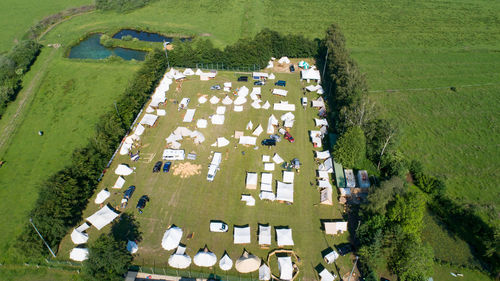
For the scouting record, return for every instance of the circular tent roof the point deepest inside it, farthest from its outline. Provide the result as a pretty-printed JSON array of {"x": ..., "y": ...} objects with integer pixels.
[{"x": 247, "y": 263}]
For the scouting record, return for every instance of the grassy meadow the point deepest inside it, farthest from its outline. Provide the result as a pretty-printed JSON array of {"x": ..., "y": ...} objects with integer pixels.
[
  {"x": 192, "y": 202},
  {"x": 400, "y": 45}
]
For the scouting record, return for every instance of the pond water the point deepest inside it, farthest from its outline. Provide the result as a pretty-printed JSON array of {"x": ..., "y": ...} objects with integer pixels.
[
  {"x": 146, "y": 36},
  {"x": 91, "y": 48}
]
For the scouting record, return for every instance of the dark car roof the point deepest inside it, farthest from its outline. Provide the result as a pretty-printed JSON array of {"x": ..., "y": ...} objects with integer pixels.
[{"x": 129, "y": 191}]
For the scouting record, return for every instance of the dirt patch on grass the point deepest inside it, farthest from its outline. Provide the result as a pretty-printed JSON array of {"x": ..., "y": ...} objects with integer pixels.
[{"x": 185, "y": 170}]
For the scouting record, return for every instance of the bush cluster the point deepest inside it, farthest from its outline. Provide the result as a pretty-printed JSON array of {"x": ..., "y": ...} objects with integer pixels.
[
  {"x": 64, "y": 196},
  {"x": 249, "y": 51},
  {"x": 120, "y": 5},
  {"x": 13, "y": 66}
]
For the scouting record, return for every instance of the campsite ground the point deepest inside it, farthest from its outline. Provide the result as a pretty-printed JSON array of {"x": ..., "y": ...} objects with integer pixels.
[
  {"x": 192, "y": 202},
  {"x": 399, "y": 45}
]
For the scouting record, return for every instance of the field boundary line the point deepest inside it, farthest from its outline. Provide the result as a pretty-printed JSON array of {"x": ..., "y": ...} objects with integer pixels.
[
  {"x": 436, "y": 88},
  {"x": 29, "y": 93}
]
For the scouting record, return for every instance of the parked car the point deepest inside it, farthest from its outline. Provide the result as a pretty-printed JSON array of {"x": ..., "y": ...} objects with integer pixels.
[
  {"x": 292, "y": 68},
  {"x": 141, "y": 204},
  {"x": 127, "y": 195},
  {"x": 344, "y": 248},
  {"x": 218, "y": 226},
  {"x": 243, "y": 79},
  {"x": 215, "y": 87},
  {"x": 289, "y": 137},
  {"x": 157, "y": 167},
  {"x": 269, "y": 142},
  {"x": 166, "y": 167},
  {"x": 303, "y": 100},
  {"x": 281, "y": 83},
  {"x": 259, "y": 83}
]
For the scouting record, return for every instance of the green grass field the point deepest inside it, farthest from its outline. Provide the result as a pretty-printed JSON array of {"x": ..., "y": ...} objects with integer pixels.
[
  {"x": 16, "y": 17},
  {"x": 399, "y": 45},
  {"x": 192, "y": 202}
]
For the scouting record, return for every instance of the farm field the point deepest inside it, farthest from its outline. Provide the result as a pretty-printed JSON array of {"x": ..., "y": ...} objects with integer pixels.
[
  {"x": 16, "y": 17},
  {"x": 192, "y": 202}
]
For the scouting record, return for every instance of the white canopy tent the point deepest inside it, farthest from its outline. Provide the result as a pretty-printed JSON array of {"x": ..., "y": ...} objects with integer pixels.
[
  {"x": 284, "y": 237},
  {"x": 243, "y": 92},
  {"x": 250, "y": 201},
  {"x": 316, "y": 137},
  {"x": 79, "y": 237},
  {"x": 221, "y": 110},
  {"x": 327, "y": 166},
  {"x": 227, "y": 101},
  {"x": 214, "y": 100},
  {"x": 240, "y": 101},
  {"x": 251, "y": 181},
  {"x": 79, "y": 254},
  {"x": 148, "y": 119},
  {"x": 139, "y": 130},
  {"x": 266, "y": 182},
  {"x": 280, "y": 92},
  {"x": 284, "y": 106},
  {"x": 123, "y": 170},
  {"x": 171, "y": 238},
  {"x": 320, "y": 122},
  {"x": 277, "y": 159},
  {"x": 256, "y": 104},
  {"x": 310, "y": 74},
  {"x": 102, "y": 217},
  {"x": 258, "y": 131},
  {"x": 286, "y": 268},
  {"x": 264, "y": 235},
  {"x": 318, "y": 103},
  {"x": 246, "y": 140},
  {"x": 266, "y": 158},
  {"x": 256, "y": 91},
  {"x": 266, "y": 105},
  {"x": 284, "y": 192},
  {"x": 322, "y": 155},
  {"x": 132, "y": 247},
  {"x": 222, "y": 141},
  {"x": 205, "y": 258},
  {"x": 267, "y": 195},
  {"x": 228, "y": 84},
  {"x": 334, "y": 228},
  {"x": 188, "y": 117},
  {"x": 161, "y": 112},
  {"x": 324, "y": 175},
  {"x": 241, "y": 235},
  {"x": 288, "y": 176},
  {"x": 269, "y": 166},
  {"x": 102, "y": 196},
  {"x": 218, "y": 119},
  {"x": 225, "y": 263},
  {"x": 201, "y": 123},
  {"x": 271, "y": 122},
  {"x": 203, "y": 99}
]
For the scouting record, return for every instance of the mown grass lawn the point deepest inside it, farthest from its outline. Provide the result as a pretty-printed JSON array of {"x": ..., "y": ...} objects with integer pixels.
[{"x": 192, "y": 202}]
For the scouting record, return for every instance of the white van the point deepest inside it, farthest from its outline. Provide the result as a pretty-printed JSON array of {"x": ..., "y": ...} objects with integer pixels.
[
  {"x": 303, "y": 101},
  {"x": 214, "y": 166},
  {"x": 173, "y": 154}
]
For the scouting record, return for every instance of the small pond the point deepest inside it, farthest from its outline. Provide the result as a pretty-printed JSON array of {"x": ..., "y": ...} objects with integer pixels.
[
  {"x": 145, "y": 36},
  {"x": 91, "y": 48}
]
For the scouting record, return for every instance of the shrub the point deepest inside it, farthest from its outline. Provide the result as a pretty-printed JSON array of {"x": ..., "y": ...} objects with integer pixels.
[{"x": 350, "y": 148}]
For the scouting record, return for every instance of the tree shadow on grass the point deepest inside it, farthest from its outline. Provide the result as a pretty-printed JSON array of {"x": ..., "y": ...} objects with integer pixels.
[{"x": 126, "y": 228}]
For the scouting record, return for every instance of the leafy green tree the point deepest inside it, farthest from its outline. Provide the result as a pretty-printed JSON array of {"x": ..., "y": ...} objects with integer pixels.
[
  {"x": 350, "y": 148},
  {"x": 408, "y": 211},
  {"x": 412, "y": 261},
  {"x": 379, "y": 197},
  {"x": 108, "y": 260}
]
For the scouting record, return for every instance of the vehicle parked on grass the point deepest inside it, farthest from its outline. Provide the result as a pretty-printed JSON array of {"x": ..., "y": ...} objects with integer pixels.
[
  {"x": 214, "y": 166},
  {"x": 157, "y": 167},
  {"x": 281, "y": 83},
  {"x": 344, "y": 248},
  {"x": 215, "y": 87},
  {"x": 127, "y": 195},
  {"x": 166, "y": 166},
  {"x": 259, "y": 83},
  {"x": 243, "y": 79},
  {"x": 289, "y": 137},
  {"x": 303, "y": 101},
  {"x": 218, "y": 226},
  {"x": 141, "y": 204},
  {"x": 292, "y": 68},
  {"x": 269, "y": 142}
]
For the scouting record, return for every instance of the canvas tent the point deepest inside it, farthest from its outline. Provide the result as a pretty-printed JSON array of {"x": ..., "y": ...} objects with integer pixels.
[
  {"x": 102, "y": 217},
  {"x": 227, "y": 101},
  {"x": 326, "y": 196},
  {"x": 331, "y": 257},
  {"x": 201, "y": 123},
  {"x": 349, "y": 177},
  {"x": 284, "y": 60},
  {"x": 267, "y": 195},
  {"x": 184, "y": 103},
  {"x": 123, "y": 170},
  {"x": 327, "y": 166},
  {"x": 243, "y": 92},
  {"x": 266, "y": 182},
  {"x": 139, "y": 130},
  {"x": 241, "y": 235},
  {"x": 264, "y": 235},
  {"x": 249, "y": 125},
  {"x": 320, "y": 122},
  {"x": 318, "y": 103},
  {"x": 363, "y": 180},
  {"x": 266, "y": 105},
  {"x": 280, "y": 92},
  {"x": 240, "y": 101},
  {"x": 258, "y": 131},
  {"x": 251, "y": 181},
  {"x": 268, "y": 166},
  {"x": 322, "y": 155},
  {"x": 272, "y": 76},
  {"x": 286, "y": 268},
  {"x": 188, "y": 72},
  {"x": 79, "y": 237},
  {"x": 316, "y": 137},
  {"x": 214, "y": 100},
  {"x": 217, "y": 119},
  {"x": 284, "y": 192},
  {"x": 324, "y": 175},
  {"x": 203, "y": 99},
  {"x": 132, "y": 247},
  {"x": 326, "y": 275},
  {"x": 250, "y": 201},
  {"x": 148, "y": 119},
  {"x": 277, "y": 159},
  {"x": 102, "y": 196},
  {"x": 221, "y": 110},
  {"x": 221, "y": 142},
  {"x": 264, "y": 272},
  {"x": 205, "y": 258},
  {"x": 246, "y": 140},
  {"x": 247, "y": 263},
  {"x": 271, "y": 122},
  {"x": 79, "y": 254},
  {"x": 284, "y": 237},
  {"x": 256, "y": 91},
  {"x": 335, "y": 228},
  {"x": 310, "y": 74},
  {"x": 171, "y": 238},
  {"x": 284, "y": 106},
  {"x": 188, "y": 117},
  {"x": 225, "y": 263},
  {"x": 256, "y": 104},
  {"x": 179, "y": 259}
]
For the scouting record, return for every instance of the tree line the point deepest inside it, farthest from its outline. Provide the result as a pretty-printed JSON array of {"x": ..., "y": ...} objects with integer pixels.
[
  {"x": 120, "y": 5},
  {"x": 391, "y": 221},
  {"x": 63, "y": 196},
  {"x": 13, "y": 66},
  {"x": 244, "y": 52}
]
